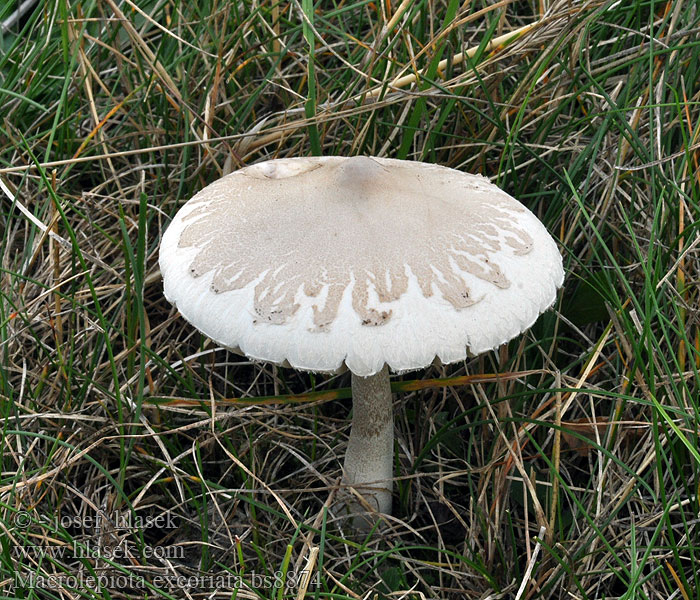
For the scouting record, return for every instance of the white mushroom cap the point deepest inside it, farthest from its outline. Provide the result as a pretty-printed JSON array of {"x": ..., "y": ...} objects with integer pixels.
[{"x": 316, "y": 262}]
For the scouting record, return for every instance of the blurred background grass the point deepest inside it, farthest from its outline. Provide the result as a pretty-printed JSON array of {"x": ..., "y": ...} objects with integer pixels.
[{"x": 576, "y": 475}]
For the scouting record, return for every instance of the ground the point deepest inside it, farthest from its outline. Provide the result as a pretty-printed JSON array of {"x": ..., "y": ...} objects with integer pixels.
[{"x": 139, "y": 459}]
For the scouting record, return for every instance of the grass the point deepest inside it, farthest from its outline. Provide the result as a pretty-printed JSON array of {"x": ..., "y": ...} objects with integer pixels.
[{"x": 574, "y": 474}]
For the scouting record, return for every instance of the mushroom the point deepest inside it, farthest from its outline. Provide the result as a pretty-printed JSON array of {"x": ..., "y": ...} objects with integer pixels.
[{"x": 367, "y": 263}]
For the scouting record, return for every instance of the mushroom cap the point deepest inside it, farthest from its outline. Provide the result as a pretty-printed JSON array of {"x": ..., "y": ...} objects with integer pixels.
[{"x": 329, "y": 261}]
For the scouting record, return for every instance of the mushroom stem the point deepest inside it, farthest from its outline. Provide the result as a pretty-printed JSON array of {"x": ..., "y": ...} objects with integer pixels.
[{"x": 369, "y": 457}]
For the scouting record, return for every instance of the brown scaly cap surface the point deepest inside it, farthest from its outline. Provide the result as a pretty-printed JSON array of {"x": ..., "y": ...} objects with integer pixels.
[{"x": 319, "y": 261}]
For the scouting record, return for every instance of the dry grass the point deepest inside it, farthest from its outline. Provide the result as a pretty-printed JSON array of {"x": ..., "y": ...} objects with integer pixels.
[{"x": 114, "y": 114}]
